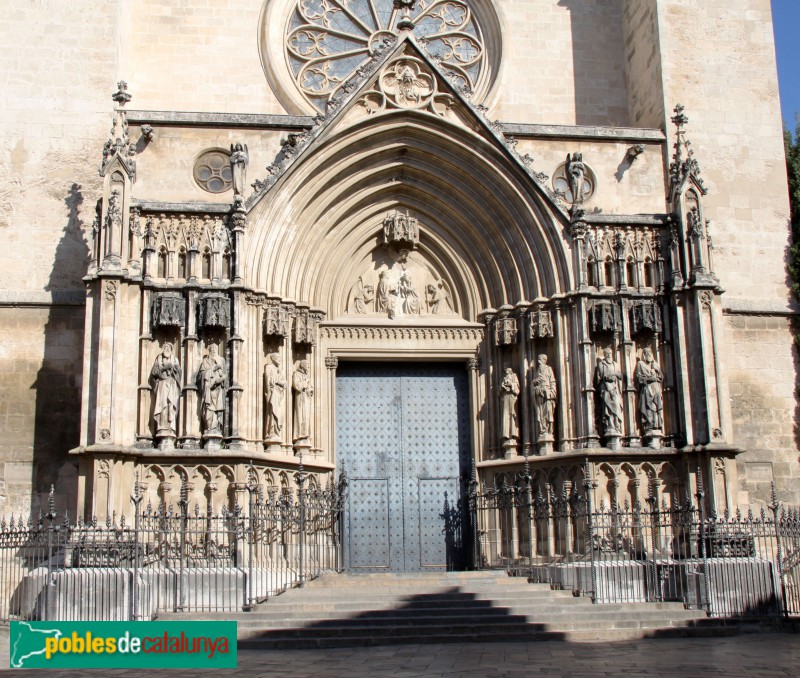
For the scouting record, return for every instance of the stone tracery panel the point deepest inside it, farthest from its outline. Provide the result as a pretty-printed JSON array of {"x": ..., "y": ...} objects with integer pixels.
[{"x": 327, "y": 40}]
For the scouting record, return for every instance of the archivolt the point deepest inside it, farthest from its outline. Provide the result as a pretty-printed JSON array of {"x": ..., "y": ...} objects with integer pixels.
[{"x": 482, "y": 219}]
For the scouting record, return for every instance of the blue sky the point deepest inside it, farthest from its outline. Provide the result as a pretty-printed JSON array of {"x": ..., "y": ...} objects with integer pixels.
[{"x": 786, "y": 17}]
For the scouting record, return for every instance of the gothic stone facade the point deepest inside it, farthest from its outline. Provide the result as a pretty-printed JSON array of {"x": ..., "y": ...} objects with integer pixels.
[{"x": 510, "y": 186}]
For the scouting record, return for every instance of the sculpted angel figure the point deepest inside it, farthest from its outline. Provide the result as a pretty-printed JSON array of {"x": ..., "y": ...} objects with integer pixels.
[
  {"x": 239, "y": 159},
  {"x": 576, "y": 174}
]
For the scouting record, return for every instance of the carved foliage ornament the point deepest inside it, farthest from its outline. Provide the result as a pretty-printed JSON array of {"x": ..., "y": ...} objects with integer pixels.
[{"x": 329, "y": 40}]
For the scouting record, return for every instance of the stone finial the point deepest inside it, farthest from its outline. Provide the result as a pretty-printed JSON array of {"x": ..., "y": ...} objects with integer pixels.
[{"x": 121, "y": 96}]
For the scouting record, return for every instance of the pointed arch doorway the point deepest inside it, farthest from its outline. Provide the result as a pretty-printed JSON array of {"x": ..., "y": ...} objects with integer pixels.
[{"x": 403, "y": 437}]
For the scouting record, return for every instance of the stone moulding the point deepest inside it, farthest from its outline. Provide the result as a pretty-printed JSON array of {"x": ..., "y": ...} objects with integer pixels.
[{"x": 453, "y": 334}]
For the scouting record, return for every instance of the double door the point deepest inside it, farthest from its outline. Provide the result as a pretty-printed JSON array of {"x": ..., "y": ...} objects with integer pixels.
[{"x": 403, "y": 440}]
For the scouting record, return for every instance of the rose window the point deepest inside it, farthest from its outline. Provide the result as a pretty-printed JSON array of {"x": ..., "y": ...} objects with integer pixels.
[{"x": 327, "y": 40}]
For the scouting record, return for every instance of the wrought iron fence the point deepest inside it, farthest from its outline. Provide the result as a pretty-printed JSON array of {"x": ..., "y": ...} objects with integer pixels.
[
  {"x": 730, "y": 566},
  {"x": 169, "y": 558}
]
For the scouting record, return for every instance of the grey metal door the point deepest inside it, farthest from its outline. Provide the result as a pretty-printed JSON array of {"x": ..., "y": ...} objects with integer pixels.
[{"x": 402, "y": 436}]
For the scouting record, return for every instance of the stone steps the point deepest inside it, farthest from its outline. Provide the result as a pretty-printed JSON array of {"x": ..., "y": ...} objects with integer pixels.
[{"x": 377, "y": 609}]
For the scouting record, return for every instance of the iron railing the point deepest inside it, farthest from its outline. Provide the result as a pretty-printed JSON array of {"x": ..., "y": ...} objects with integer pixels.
[
  {"x": 171, "y": 557},
  {"x": 730, "y": 566}
]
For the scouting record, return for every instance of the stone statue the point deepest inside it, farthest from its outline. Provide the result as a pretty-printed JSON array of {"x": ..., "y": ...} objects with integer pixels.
[
  {"x": 274, "y": 393},
  {"x": 608, "y": 382},
  {"x": 363, "y": 296},
  {"x": 649, "y": 377},
  {"x": 211, "y": 381},
  {"x": 408, "y": 294},
  {"x": 544, "y": 390},
  {"x": 509, "y": 392},
  {"x": 439, "y": 299},
  {"x": 165, "y": 380},
  {"x": 576, "y": 176},
  {"x": 384, "y": 302},
  {"x": 239, "y": 159},
  {"x": 303, "y": 393}
]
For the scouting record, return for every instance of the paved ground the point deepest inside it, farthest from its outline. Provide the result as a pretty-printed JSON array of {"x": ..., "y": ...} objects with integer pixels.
[{"x": 772, "y": 654}]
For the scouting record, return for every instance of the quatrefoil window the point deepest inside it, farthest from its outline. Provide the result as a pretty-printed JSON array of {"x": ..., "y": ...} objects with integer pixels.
[{"x": 327, "y": 40}]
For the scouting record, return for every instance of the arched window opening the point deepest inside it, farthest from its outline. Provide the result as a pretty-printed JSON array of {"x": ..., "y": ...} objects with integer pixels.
[
  {"x": 206, "y": 269},
  {"x": 648, "y": 273},
  {"x": 630, "y": 272},
  {"x": 609, "y": 272},
  {"x": 591, "y": 272},
  {"x": 182, "y": 263},
  {"x": 162, "y": 262},
  {"x": 226, "y": 264}
]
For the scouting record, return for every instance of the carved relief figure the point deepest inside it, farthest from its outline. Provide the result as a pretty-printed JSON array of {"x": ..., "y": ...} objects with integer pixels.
[
  {"x": 439, "y": 299},
  {"x": 165, "y": 381},
  {"x": 544, "y": 390},
  {"x": 363, "y": 296},
  {"x": 576, "y": 173},
  {"x": 274, "y": 393},
  {"x": 303, "y": 393},
  {"x": 608, "y": 382},
  {"x": 408, "y": 294},
  {"x": 385, "y": 299},
  {"x": 509, "y": 392},
  {"x": 239, "y": 159},
  {"x": 649, "y": 377},
  {"x": 211, "y": 381}
]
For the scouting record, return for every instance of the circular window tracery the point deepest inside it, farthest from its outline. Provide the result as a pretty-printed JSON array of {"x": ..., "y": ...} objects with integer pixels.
[
  {"x": 327, "y": 40},
  {"x": 212, "y": 171},
  {"x": 561, "y": 183}
]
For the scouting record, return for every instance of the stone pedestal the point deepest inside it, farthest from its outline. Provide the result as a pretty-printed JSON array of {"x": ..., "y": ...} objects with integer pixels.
[
  {"x": 212, "y": 441},
  {"x": 613, "y": 440},
  {"x": 273, "y": 445},
  {"x": 302, "y": 446},
  {"x": 545, "y": 443},
  {"x": 166, "y": 442},
  {"x": 653, "y": 438},
  {"x": 510, "y": 448}
]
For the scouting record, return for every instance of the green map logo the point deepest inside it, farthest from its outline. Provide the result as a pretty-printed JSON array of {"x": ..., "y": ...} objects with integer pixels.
[{"x": 174, "y": 644}]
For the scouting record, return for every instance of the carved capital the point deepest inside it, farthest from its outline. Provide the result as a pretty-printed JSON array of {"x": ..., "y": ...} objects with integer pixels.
[{"x": 331, "y": 362}]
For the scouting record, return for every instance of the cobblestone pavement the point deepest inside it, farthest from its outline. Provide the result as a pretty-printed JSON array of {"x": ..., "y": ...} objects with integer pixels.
[{"x": 772, "y": 654}]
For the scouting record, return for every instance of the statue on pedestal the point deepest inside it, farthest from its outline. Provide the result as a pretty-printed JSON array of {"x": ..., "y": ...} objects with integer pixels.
[
  {"x": 608, "y": 382},
  {"x": 303, "y": 393},
  {"x": 165, "y": 381},
  {"x": 509, "y": 392},
  {"x": 544, "y": 391},
  {"x": 649, "y": 378},
  {"x": 274, "y": 394},
  {"x": 211, "y": 381}
]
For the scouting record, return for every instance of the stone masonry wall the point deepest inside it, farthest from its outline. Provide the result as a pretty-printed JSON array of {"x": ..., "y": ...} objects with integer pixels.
[
  {"x": 643, "y": 75},
  {"x": 720, "y": 63}
]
